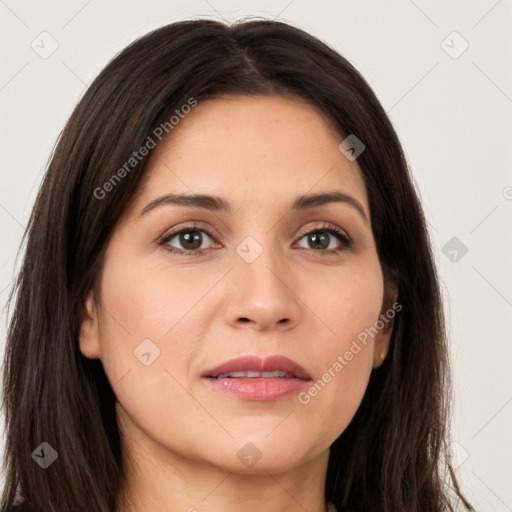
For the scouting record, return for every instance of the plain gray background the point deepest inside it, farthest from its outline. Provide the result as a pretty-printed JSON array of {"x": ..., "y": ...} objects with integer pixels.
[{"x": 442, "y": 72}]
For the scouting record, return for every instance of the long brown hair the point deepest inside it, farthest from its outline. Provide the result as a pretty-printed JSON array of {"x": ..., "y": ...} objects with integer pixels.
[{"x": 393, "y": 455}]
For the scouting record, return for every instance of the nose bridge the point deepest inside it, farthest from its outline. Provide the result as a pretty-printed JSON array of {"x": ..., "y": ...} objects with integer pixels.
[
  {"x": 262, "y": 283},
  {"x": 260, "y": 263}
]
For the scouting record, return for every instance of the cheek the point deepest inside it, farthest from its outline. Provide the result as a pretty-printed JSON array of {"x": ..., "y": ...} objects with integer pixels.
[
  {"x": 150, "y": 331},
  {"x": 151, "y": 321},
  {"x": 135, "y": 311},
  {"x": 349, "y": 302},
  {"x": 144, "y": 301},
  {"x": 346, "y": 351}
]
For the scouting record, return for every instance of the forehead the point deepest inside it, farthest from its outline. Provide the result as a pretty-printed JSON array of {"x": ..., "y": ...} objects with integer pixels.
[{"x": 260, "y": 149}]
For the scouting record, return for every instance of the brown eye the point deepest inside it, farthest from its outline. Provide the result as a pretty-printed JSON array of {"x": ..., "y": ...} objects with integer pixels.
[
  {"x": 189, "y": 240},
  {"x": 323, "y": 240}
]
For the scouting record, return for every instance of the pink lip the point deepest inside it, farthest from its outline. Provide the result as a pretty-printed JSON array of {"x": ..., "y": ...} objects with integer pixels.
[
  {"x": 261, "y": 389},
  {"x": 258, "y": 364}
]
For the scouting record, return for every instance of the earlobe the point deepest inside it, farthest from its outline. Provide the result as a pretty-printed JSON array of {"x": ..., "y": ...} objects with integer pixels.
[
  {"x": 89, "y": 340},
  {"x": 379, "y": 356},
  {"x": 385, "y": 325}
]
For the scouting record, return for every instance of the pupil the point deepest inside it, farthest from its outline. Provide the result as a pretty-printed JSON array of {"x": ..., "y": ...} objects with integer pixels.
[
  {"x": 188, "y": 239},
  {"x": 323, "y": 244}
]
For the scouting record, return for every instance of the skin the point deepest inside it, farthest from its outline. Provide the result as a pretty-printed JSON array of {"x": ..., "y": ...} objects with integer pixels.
[{"x": 180, "y": 435}]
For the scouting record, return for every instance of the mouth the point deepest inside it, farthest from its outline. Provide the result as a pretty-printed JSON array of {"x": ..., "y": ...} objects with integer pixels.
[
  {"x": 256, "y": 378},
  {"x": 256, "y": 375}
]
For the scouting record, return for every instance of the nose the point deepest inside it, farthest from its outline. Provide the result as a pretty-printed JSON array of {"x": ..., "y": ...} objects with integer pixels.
[{"x": 260, "y": 294}]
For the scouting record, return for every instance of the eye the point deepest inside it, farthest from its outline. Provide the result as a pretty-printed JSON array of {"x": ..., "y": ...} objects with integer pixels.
[
  {"x": 191, "y": 239},
  {"x": 321, "y": 239}
]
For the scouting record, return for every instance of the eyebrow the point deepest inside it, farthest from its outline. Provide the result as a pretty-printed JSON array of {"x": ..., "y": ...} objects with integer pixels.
[{"x": 215, "y": 203}]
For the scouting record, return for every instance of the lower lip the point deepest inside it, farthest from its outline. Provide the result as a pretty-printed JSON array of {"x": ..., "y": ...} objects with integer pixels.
[{"x": 259, "y": 389}]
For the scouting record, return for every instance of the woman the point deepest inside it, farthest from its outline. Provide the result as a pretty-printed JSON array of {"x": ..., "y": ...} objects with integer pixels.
[{"x": 228, "y": 297}]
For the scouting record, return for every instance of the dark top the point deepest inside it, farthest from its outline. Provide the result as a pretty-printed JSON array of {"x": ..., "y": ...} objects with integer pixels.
[{"x": 18, "y": 508}]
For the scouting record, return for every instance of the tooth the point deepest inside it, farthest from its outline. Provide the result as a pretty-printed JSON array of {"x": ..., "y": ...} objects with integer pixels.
[
  {"x": 276, "y": 373},
  {"x": 237, "y": 374},
  {"x": 254, "y": 375}
]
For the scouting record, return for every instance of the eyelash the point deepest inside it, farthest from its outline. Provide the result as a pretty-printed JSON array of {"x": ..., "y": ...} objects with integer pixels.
[{"x": 346, "y": 241}]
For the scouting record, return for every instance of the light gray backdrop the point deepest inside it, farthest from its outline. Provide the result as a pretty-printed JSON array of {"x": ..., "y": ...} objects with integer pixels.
[{"x": 443, "y": 72}]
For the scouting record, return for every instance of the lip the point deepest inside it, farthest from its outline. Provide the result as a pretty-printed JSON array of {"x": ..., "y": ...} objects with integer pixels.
[
  {"x": 260, "y": 389},
  {"x": 259, "y": 364}
]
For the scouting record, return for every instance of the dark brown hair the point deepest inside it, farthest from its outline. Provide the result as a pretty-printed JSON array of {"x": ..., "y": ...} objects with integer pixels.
[{"x": 393, "y": 455}]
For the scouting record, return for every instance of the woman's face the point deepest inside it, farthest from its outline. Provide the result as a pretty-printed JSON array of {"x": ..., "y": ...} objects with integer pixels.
[{"x": 262, "y": 286}]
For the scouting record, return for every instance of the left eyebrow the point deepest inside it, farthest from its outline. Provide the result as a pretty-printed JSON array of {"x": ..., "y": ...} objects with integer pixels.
[{"x": 215, "y": 203}]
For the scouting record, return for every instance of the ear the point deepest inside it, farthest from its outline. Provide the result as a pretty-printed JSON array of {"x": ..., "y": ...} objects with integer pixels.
[
  {"x": 89, "y": 339},
  {"x": 385, "y": 324}
]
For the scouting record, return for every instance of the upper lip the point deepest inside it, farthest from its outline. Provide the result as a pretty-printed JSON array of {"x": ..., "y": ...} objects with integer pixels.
[{"x": 259, "y": 364}]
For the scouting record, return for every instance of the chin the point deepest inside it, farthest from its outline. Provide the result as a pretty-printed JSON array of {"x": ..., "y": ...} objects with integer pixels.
[
  {"x": 272, "y": 464},
  {"x": 259, "y": 455}
]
